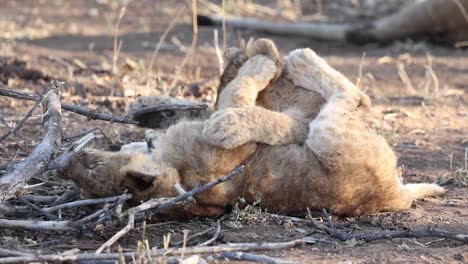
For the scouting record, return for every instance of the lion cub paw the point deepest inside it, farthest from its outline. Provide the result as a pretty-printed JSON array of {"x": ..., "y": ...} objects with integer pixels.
[
  {"x": 225, "y": 129},
  {"x": 260, "y": 68}
]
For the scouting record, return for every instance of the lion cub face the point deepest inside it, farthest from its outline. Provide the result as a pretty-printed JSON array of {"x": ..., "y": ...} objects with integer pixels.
[{"x": 102, "y": 173}]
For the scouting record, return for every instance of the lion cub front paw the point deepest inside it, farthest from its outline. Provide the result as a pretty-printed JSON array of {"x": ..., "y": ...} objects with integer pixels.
[{"x": 225, "y": 129}]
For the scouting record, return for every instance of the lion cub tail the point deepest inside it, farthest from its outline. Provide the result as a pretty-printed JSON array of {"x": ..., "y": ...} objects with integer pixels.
[{"x": 422, "y": 190}]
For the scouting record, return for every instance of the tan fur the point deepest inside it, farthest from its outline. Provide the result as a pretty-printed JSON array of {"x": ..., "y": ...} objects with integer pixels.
[{"x": 316, "y": 151}]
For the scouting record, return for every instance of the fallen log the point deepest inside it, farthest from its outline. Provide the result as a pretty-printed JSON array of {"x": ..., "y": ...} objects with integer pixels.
[{"x": 439, "y": 20}]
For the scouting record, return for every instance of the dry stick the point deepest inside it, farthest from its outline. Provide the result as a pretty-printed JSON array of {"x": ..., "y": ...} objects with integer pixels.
[
  {"x": 161, "y": 40},
  {"x": 159, "y": 252},
  {"x": 116, "y": 38},
  {"x": 156, "y": 203},
  {"x": 90, "y": 114},
  {"x": 21, "y": 123},
  {"x": 130, "y": 225},
  {"x": 89, "y": 202},
  {"x": 253, "y": 258},
  {"x": 37, "y": 161},
  {"x": 216, "y": 235},
  {"x": 218, "y": 52}
]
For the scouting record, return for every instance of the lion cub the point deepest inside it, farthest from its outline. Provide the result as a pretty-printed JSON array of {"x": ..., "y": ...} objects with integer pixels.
[{"x": 299, "y": 129}]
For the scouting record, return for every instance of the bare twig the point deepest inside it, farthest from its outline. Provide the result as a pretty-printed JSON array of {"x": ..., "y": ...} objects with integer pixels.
[
  {"x": 163, "y": 37},
  {"x": 38, "y": 160},
  {"x": 216, "y": 235},
  {"x": 158, "y": 252},
  {"x": 130, "y": 225},
  {"x": 253, "y": 258},
  {"x": 89, "y": 202}
]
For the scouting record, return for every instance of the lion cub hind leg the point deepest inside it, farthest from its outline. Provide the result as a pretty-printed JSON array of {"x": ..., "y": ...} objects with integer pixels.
[
  {"x": 306, "y": 69},
  {"x": 252, "y": 78}
]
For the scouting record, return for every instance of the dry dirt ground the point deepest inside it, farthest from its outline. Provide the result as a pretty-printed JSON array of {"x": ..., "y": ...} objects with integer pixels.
[{"x": 419, "y": 92}]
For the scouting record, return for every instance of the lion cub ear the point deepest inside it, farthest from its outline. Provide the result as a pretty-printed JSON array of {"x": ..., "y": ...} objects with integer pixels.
[{"x": 139, "y": 174}]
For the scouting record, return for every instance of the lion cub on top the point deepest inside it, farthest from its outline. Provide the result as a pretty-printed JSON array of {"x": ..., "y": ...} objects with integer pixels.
[{"x": 299, "y": 129}]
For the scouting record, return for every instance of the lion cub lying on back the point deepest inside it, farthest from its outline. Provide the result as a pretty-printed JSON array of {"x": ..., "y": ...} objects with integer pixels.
[{"x": 301, "y": 135}]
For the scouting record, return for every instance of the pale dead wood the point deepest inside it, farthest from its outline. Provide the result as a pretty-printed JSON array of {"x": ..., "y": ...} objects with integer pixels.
[
  {"x": 158, "y": 252},
  {"x": 36, "y": 225},
  {"x": 253, "y": 258},
  {"x": 130, "y": 225},
  {"x": 12, "y": 253},
  {"x": 40, "y": 157},
  {"x": 123, "y": 197}
]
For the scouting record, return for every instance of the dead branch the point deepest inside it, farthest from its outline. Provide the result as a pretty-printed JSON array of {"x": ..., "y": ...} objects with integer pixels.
[
  {"x": 158, "y": 252},
  {"x": 130, "y": 225},
  {"x": 36, "y": 225},
  {"x": 40, "y": 157},
  {"x": 123, "y": 197},
  {"x": 158, "y": 206},
  {"x": 253, "y": 258},
  {"x": 216, "y": 235}
]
